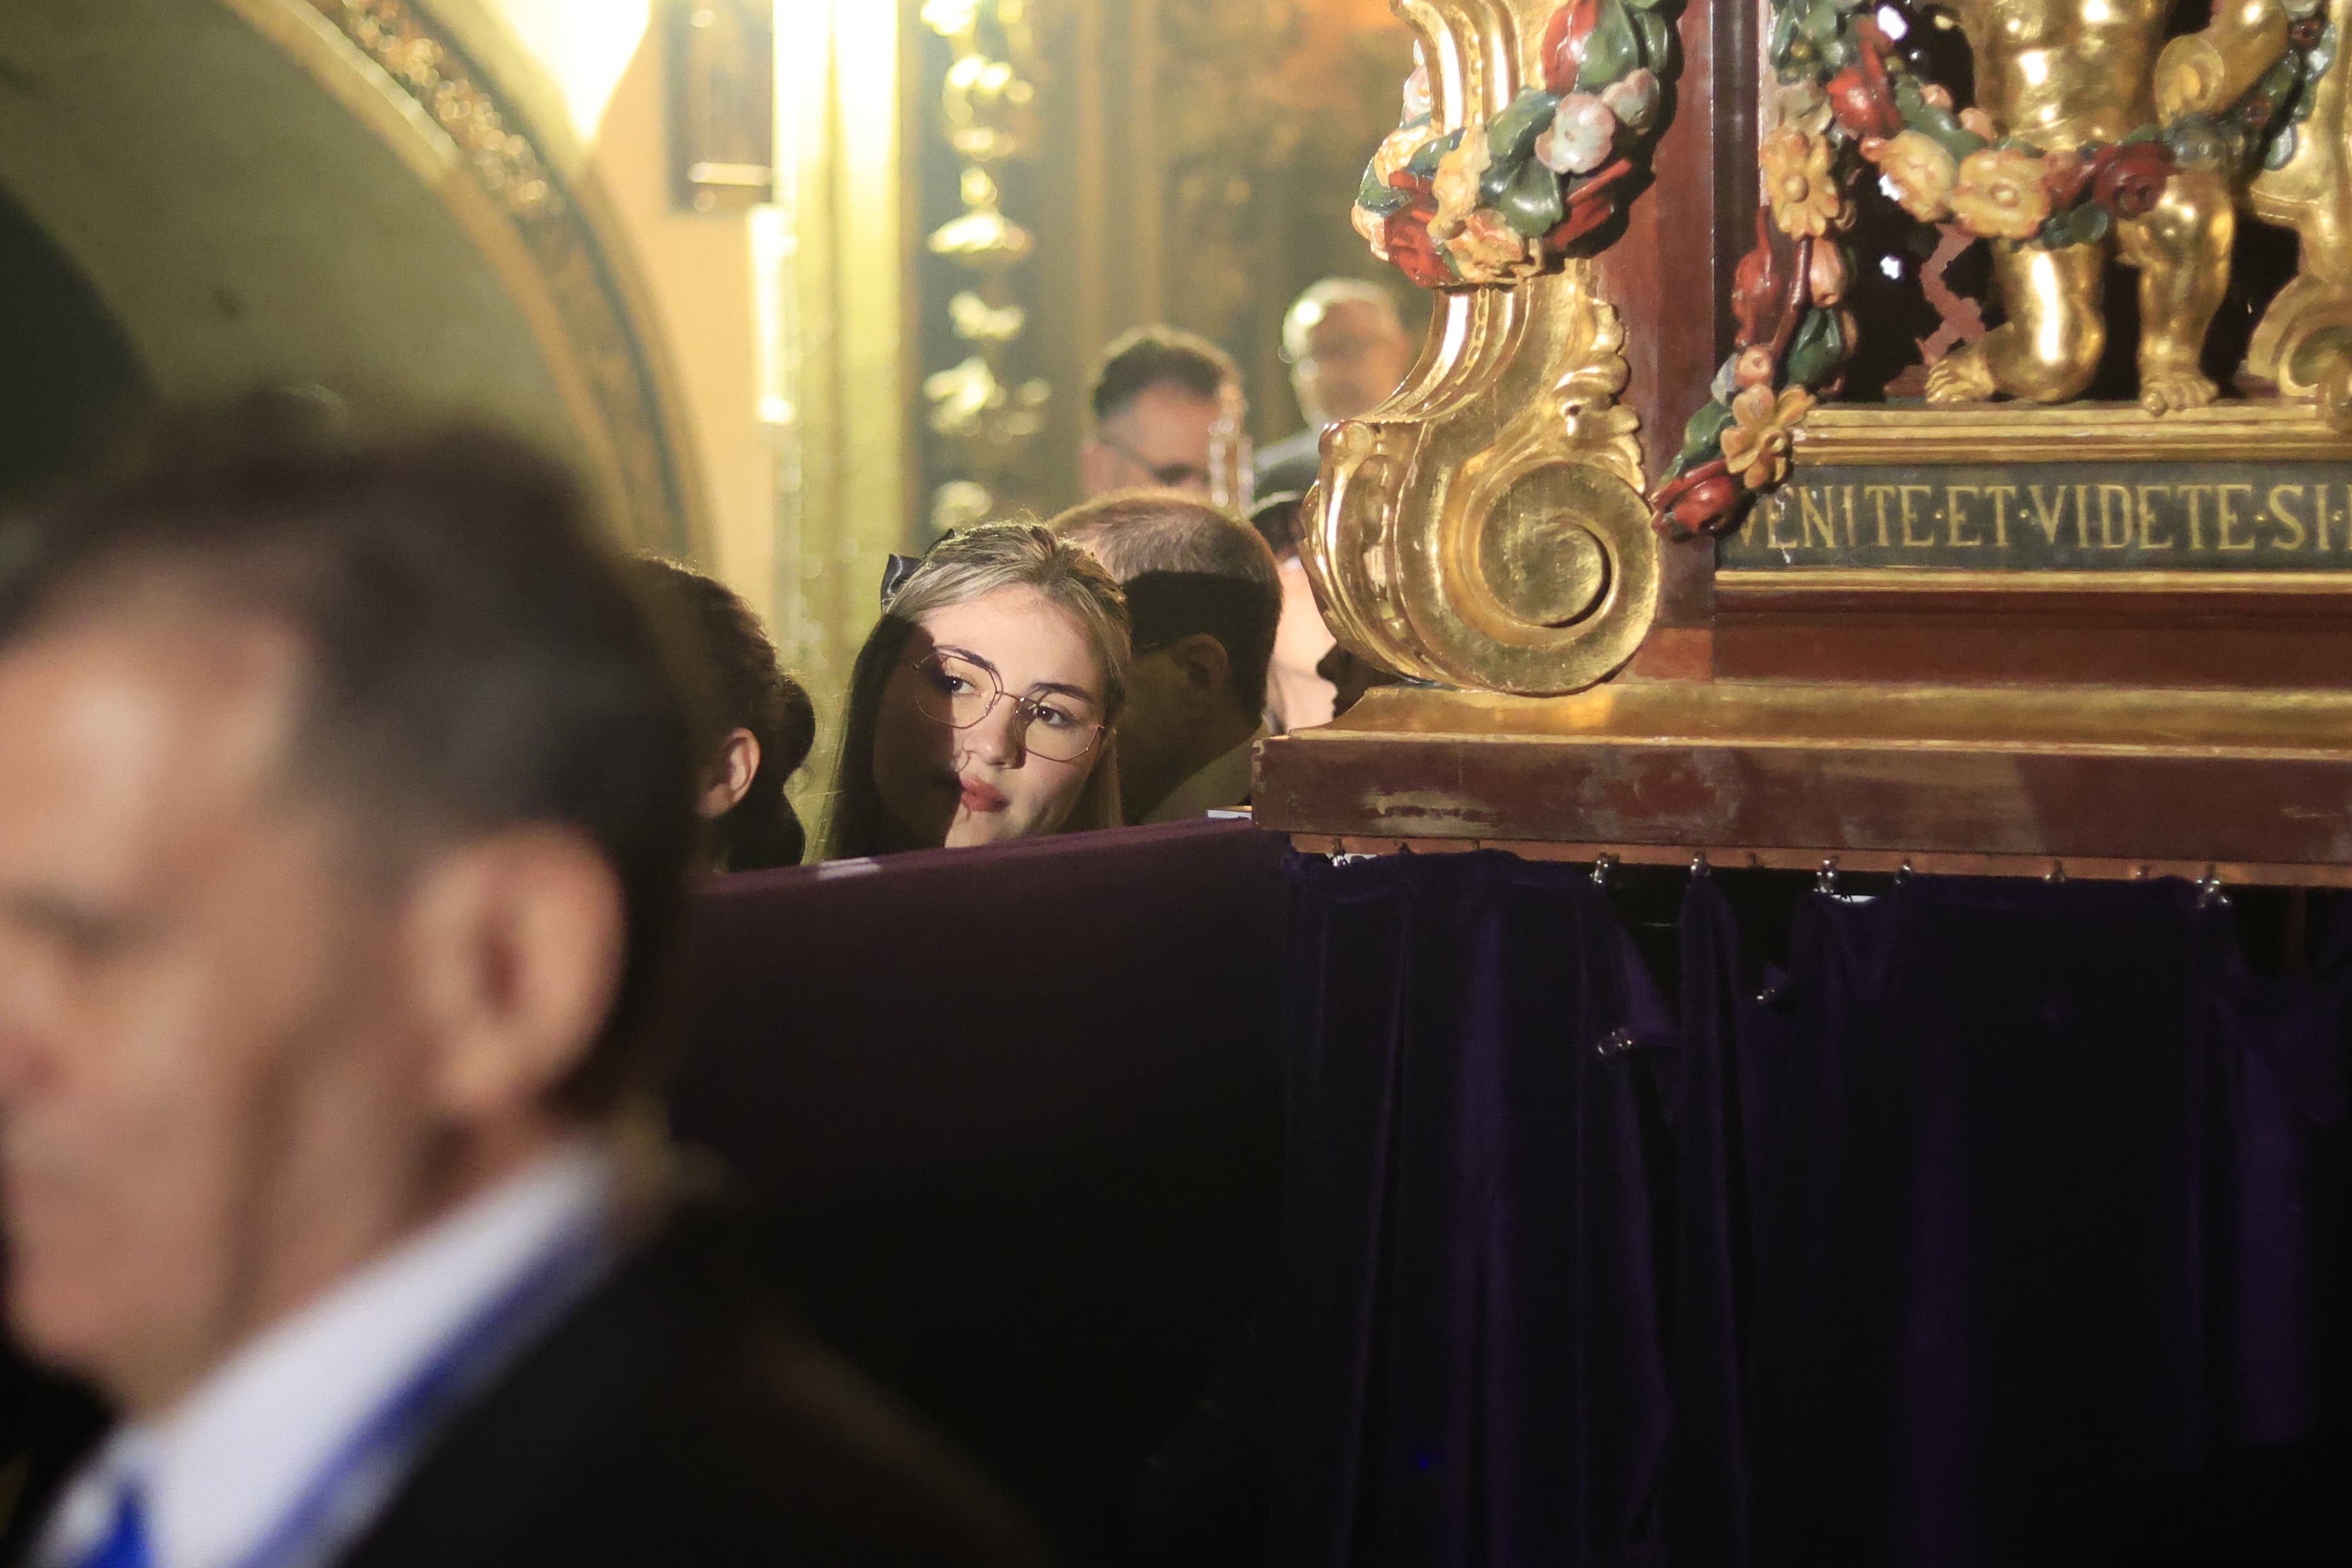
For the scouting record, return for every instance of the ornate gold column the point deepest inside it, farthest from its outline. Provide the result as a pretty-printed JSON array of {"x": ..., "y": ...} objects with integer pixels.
[
  {"x": 989, "y": 112},
  {"x": 834, "y": 284}
]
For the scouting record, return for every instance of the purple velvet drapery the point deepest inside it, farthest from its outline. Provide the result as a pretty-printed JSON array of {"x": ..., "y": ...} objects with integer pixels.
[
  {"x": 2006, "y": 1201},
  {"x": 1472, "y": 1372}
]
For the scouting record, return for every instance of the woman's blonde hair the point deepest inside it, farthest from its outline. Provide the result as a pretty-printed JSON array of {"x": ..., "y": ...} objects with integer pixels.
[{"x": 962, "y": 568}]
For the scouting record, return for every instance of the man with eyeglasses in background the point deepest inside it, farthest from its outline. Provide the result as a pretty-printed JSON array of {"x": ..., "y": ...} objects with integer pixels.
[
  {"x": 1347, "y": 349},
  {"x": 1170, "y": 414}
]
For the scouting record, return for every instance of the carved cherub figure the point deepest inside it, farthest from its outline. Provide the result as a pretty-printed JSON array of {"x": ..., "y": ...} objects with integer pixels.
[
  {"x": 2305, "y": 341},
  {"x": 2062, "y": 74}
]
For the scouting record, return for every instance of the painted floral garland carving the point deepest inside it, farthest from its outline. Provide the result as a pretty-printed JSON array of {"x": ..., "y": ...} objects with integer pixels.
[
  {"x": 1504, "y": 199},
  {"x": 1852, "y": 105}
]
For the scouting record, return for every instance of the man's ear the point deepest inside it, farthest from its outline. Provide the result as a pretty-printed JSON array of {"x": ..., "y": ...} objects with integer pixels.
[
  {"x": 1201, "y": 660},
  {"x": 515, "y": 942},
  {"x": 730, "y": 780}
]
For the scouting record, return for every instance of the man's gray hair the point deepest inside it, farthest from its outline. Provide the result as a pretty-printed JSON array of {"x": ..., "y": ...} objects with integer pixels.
[{"x": 1188, "y": 567}]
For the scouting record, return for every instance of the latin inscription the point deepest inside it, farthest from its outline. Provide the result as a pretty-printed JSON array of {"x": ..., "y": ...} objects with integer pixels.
[{"x": 2055, "y": 517}]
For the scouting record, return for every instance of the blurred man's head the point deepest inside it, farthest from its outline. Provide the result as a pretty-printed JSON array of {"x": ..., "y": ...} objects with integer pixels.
[
  {"x": 1205, "y": 597},
  {"x": 345, "y": 819},
  {"x": 1347, "y": 347},
  {"x": 1168, "y": 415}
]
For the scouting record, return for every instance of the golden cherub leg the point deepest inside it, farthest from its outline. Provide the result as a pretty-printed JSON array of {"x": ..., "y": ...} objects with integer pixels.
[
  {"x": 2049, "y": 347},
  {"x": 2182, "y": 251}
]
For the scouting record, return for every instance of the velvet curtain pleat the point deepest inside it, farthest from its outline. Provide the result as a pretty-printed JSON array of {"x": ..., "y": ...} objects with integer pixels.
[
  {"x": 1473, "y": 1371},
  {"x": 2004, "y": 1203}
]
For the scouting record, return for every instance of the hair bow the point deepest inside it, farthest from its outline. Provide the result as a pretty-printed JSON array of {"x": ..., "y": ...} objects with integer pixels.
[{"x": 895, "y": 570}]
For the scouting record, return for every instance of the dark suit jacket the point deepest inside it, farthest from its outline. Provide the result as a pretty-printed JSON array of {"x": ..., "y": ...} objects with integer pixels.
[
  {"x": 676, "y": 1416},
  {"x": 1290, "y": 464}
]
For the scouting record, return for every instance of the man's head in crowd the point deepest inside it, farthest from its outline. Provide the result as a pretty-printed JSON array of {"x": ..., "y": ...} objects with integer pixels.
[
  {"x": 1347, "y": 349},
  {"x": 345, "y": 819},
  {"x": 1205, "y": 597},
  {"x": 1168, "y": 411}
]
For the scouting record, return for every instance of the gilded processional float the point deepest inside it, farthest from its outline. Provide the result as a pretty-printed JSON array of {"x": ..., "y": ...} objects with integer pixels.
[
  {"x": 1892, "y": 461},
  {"x": 1926, "y": 446}
]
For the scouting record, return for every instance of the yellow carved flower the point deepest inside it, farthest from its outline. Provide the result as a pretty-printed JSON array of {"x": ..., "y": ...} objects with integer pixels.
[
  {"x": 1397, "y": 149},
  {"x": 1456, "y": 184},
  {"x": 1756, "y": 447},
  {"x": 1919, "y": 169},
  {"x": 1373, "y": 226},
  {"x": 1999, "y": 194},
  {"x": 1797, "y": 180},
  {"x": 1489, "y": 250}
]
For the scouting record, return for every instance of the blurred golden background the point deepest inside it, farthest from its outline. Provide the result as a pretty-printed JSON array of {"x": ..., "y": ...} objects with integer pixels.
[{"x": 794, "y": 283}]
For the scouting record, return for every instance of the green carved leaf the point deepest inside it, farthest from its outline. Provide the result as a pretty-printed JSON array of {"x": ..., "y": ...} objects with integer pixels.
[
  {"x": 1531, "y": 203},
  {"x": 1940, "y": 124},
  {"x": 1702, "y": 437},
  {"x": 1511, "y": 135},
  {"x": 1425, "y": 163},
  {"x": 1657, "y": 36},
  {"x": 1818, "y": 349},
  {"x": 2085, "y": 223},
  {"x": 1378, "y": 197},
  {"x": 1613, "y": 50}
]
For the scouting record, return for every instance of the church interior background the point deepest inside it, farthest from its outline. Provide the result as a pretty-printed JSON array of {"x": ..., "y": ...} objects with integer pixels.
[{"x": 796, "y": 283}]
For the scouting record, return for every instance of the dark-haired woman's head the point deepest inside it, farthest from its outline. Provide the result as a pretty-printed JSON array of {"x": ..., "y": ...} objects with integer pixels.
[
  {"x": 759, "y": 724},
  {"x": 980, "y": 707}
]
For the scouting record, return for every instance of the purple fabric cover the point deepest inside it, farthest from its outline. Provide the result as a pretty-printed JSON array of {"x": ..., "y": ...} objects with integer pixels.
[
  {"x": 1472, "y": 1369},
  {"x": 2004, "y": 1204},
  {"x": 878, "y": 1022},
  {"x": 1015, "y": 1115}
]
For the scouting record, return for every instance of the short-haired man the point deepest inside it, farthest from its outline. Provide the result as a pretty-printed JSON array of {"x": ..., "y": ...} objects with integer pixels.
[
  {"x": 1348, "y": 350},
  {"x": 1169, "y": 414},
  {"x": 345, "y": 814},
  {"x": 1205, "y": 597}
]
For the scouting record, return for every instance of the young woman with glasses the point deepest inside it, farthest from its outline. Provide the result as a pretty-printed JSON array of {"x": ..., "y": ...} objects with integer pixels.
[{"x": 981, "y": 707}]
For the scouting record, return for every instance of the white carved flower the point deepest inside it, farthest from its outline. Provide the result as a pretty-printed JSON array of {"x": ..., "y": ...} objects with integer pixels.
[
  {"x": 1582, "y": 133},
  {"x": 1633, "y": 99},
  {"x": 1417, "y": 102}
]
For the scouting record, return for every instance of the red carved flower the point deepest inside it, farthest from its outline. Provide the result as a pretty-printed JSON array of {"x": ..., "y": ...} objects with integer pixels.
[
  {"x": 1862, "y": 104},
  {"x": 1405, "y": 238},
  {"x": 2129, "y": 178},
  {"x": 2065, "y": 175},
  {"x": 1590, "y": 204},
  {"x": 1760, "y": 287},
  {"x": 1700, "y": 503}
]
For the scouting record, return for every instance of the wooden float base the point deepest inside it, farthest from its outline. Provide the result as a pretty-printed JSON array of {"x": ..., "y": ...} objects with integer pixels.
[{"x": 2255, "y": 786}]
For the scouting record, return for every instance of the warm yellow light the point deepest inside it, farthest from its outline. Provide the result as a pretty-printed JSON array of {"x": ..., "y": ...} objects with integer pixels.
[{"x": 586, "y": 45}]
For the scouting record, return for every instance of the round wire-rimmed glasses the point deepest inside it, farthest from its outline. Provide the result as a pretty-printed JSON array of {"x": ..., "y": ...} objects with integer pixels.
[{"x": 960, "y": 690}]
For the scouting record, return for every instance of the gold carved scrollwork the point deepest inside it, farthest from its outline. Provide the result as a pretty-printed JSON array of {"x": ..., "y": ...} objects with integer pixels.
[{"x": 1486, "y": 527}]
